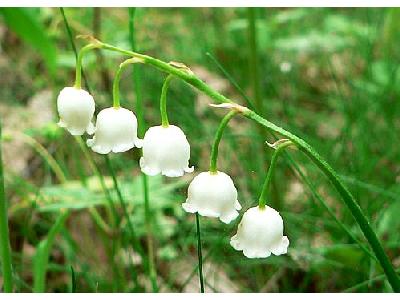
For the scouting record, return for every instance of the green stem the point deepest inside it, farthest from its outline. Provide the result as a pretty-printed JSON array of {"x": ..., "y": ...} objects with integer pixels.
[
  {"x": 5, "y": 249},
  {"x": 149, "y": 237},
  {"x": 231, "y": 80},
  {"x": 253, "y": 57},
  {"x": 199, "y": 254},
  {"x": 135, "y": 245},
  {"x": 122, "y": 202},
  {"x": 71, "y": 40},
  {"x": 347, "y": 197},
  {"x": 217, "y": 139},
  {"x": 295, "y": 168},
  {"x": 163, "y": 101},
  {"x": 117, "y": 79},
  {"x": 264, "y": 192},
  {"x": 141, "y": 129},
  {"x": 78, "y": 70},
  {"x": 101, "y": 224},
  {"x": 313, "y": 190},
  {"x": 111, "y": 210},
  {"x": 50, "y": 160}
]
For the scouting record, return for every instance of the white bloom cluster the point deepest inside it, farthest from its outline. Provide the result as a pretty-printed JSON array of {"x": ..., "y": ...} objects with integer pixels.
[
  {"x": 166, "y": 151},
  {"x": 260, "y": 231}
]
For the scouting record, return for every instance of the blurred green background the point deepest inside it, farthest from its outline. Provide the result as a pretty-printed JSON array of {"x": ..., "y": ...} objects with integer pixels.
[{"x": 330, "y": 76}]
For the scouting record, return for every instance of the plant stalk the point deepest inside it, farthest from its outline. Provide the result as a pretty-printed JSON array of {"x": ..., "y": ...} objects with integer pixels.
[
  {"x": 78, "y": 70},
  {"x": 199, "y": 253},
  {"x": 347, "y": 197},
  {"x": 5, "y": 249},
  {"x": 71, "y": 40},
  {"x": 253, "y": 57},
  {"x": 262, "y": 201},
  {"x": 217, "y": 139},
  {"x": 151, "y": 268},
  {"x": 117, "y": 79},
  {"x": 163, "y": 101}
]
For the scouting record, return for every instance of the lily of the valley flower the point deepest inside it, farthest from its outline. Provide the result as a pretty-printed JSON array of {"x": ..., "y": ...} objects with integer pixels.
[
  {"x": 260, "y": 233},
  {"x": 213, "y": 195},
  {"x": 76, "y": 108},
  {"x": 165, "y": 150},
  {"x": 116, "y": 131}
]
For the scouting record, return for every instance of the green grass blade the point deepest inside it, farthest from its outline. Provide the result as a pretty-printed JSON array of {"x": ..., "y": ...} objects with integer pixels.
[
  {"x": 5, "y": 249},
  {"x": 73, "y": 280},
  {"x": 72, "y": 43},
  {"x": 199, "y": 253},
  {"x": 41, "y": 258},
  {"x": 254, "y": 72}
]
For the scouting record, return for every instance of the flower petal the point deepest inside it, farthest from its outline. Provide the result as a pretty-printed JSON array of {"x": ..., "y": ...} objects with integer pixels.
[
  {"x": 116, "y": 131},
  {"x": 281, "y": 248},
  {"x": 166, "y": 149},
  {"x": 213, "y": 195},
  {"x": 259, "y": 233}
]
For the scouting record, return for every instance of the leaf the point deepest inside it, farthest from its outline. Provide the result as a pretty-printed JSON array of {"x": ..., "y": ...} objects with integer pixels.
[
  {"x": 389, "y": 223},
  {"x": 72, "y": 195},
  {"x": 390, "y": 34},
  {"x": 347, "y": 255},
  {"x": 26, "y": 24},
  {"x": 41, "y": 258}
]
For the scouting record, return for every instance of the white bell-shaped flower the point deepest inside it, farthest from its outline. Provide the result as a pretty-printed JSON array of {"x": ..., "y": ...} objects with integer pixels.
[
  {"x": 76, "y": 108},
  {"x": 116, "y": 131},
  {"x": 260, "y": 233},
  {"x": 165, "y": 150},
  {"x": 213, "y": 195}
]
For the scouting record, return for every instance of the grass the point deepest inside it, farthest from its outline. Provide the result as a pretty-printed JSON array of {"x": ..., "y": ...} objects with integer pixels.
[{"x": 340, "y": 95}]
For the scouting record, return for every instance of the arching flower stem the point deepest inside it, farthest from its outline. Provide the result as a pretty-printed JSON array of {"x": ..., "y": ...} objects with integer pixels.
[
  {"x": 262, "y": 201},
  {"x": 217, "y": 139},
  {"x": 117, "y": 78},
  {"x": 347, "y": 197},
  {"x": 78, "y": 70},
  {"x": 163, "y": 101}
]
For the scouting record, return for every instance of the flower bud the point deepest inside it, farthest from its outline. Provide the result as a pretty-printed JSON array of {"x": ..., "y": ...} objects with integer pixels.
[
  {"x": 76, "y": 108},
  {"x": 166, "y": 151},
  {"x": 260, "y": 232},
  {"x": 116, "y": 131},
  {"x": 213, "y": 195}
]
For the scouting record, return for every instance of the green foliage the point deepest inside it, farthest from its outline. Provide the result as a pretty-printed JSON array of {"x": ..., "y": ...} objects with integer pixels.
[
  {"x": 27, "y": 25},
  {"x": 41, "y": 258},
  {"x": 340, "y": 92}
]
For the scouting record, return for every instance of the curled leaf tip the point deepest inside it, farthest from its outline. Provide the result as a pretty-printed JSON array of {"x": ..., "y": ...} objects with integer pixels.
[
  {"x": 182, "y": 66},
  {"x": 233, "y": 106},
  {"x": 133, "y": 60},
  {"x": 89, "y": 38},
  {"x": 278, "y": 142}
]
